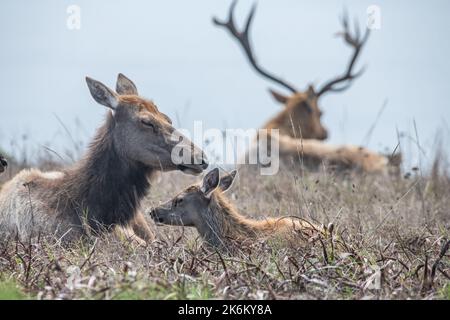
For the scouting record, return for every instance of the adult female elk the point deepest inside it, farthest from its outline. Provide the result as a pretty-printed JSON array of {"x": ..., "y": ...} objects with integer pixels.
[
  {"x": 105, "y": 188},
  {"x": 300, "y": 118},
  {"x": 217, "y": 221}
]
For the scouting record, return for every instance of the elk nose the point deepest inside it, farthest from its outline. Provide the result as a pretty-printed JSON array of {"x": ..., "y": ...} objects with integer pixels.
[
  {"x": 154, "y": 216},
  {"x": 324, "y": 135}
]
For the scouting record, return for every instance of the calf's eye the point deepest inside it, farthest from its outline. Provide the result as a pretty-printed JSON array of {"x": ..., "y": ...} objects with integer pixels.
[{"x": 177, "y": 202}]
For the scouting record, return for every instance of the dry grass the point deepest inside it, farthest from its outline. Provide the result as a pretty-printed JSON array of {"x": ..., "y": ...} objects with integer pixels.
[{"x": 389, "y": 243}]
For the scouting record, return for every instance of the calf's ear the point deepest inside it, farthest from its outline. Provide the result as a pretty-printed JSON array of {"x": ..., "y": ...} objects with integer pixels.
[
  {"x": 227, "y": 181},
  {"x": 210, "y": 182},
  {"x": 278, "y": 96}
]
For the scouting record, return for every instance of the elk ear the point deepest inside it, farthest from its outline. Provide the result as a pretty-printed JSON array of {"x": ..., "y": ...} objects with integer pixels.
[
  {"x": 165, "y": 116},
  {"x": 311, "y": 93},
  {"x": 278, "y": 96},
  {"x": 227, "y": 180},
  {"x": 210, "y": 182},
  {"x": 125, "y": 85},
  {"x": 102, "y": 94}
]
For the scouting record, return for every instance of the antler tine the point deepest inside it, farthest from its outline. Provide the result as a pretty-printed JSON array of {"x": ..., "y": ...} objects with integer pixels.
[
  {"x": 250, "y": 19},
  {"x": 355, "y": 41},
  {"x": 230, "y": 23},
  {"x": 243, "y": 37},
  {"x": 357, "y": 29}
]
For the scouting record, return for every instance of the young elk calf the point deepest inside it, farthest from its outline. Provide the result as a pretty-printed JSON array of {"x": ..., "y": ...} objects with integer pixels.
[
  {"x": 105, "y": 188},
  {"x": 204, "y": 207}
]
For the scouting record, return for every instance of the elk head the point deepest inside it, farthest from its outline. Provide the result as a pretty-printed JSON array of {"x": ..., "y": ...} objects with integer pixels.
[
  {"x": 301, "y": 115},
  {"x": 190, "y": 208},
  {"x": 141, "y": 133}
]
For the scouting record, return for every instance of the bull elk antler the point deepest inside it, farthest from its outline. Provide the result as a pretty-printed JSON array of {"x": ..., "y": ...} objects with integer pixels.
[
  {"x": 244, "y": 40},
  {"x": 357, "y": 42}
]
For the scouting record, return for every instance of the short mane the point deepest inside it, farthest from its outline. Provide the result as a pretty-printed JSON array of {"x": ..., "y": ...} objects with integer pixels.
[{"x": 103, "y": 187}]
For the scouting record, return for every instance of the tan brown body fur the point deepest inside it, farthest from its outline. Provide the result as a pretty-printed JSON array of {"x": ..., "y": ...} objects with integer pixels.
[
  {"x": 228, "y": 224},
  {"x": 316, "y": 153}
]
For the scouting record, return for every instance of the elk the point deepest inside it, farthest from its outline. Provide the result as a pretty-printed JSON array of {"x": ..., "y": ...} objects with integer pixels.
[
  {"x": 300, "y": 117},
  {"x": 3, "y": 164},
  {"x": 205, "y": 207},
  {"x": 102, "y": 191}
]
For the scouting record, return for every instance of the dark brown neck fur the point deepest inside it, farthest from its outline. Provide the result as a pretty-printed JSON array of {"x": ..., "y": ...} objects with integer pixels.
[{"x": 104, "y": 189}]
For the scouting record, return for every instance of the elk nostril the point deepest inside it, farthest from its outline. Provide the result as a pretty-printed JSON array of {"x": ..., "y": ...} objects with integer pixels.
[{"x": 156, "y": 217}]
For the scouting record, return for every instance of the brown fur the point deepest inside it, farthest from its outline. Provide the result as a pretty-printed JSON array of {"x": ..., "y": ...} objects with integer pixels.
[
  {"x": 300, "y": 118},
  {"x": 230, "y": 224},
  {"x": 315, "y": 153}
]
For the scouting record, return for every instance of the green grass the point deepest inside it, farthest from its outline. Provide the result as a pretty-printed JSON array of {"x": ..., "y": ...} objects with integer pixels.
[
  {"x": 189, "y": 291},
  {"x": 9, "y": 290},
  {"x": 446, "y": 292}
]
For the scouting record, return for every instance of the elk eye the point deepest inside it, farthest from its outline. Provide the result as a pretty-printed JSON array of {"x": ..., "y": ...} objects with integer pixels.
[
  {"x": 308, "y": 108},
  {"x": 178, "y": 202},
  {"x": 148, "y": 124}
]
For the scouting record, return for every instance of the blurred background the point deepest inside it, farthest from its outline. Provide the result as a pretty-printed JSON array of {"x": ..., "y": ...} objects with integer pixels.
[{"x": 195, "y": 71}]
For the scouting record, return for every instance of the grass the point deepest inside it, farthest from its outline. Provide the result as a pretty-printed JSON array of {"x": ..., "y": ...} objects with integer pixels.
[
  {"x": 9, "y": 290},
  {"x": 446, "y": 292},
  {"x": 388, "y": 239}
]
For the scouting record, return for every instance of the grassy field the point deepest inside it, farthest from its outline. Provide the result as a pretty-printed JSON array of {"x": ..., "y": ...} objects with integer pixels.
[{"x": 389, "y": 242}]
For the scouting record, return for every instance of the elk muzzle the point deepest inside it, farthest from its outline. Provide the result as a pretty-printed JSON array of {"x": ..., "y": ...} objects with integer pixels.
[
  {"x": 188, "y": 157},
  {"x": 162, "y": 215},
  {"x": 323, "y": 135}
]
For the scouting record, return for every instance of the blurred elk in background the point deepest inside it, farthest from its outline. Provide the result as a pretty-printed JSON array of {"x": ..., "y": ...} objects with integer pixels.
[{"x": 300, "y": 118}]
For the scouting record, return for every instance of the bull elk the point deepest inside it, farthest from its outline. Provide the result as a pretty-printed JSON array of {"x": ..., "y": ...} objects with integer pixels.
[
  {"x": 102, "y": 191},
  {"x": 219, "y": 224},
  {"x": 300, "y": 117}
]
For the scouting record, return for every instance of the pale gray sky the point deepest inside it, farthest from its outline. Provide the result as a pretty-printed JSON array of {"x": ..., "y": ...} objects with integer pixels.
[{"x": 190, "y": 68}]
